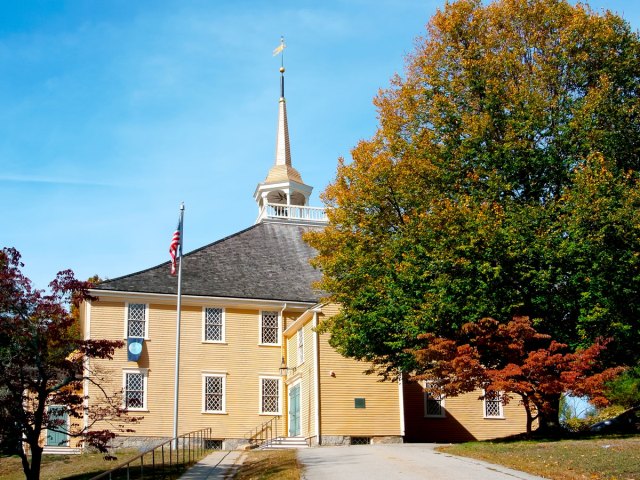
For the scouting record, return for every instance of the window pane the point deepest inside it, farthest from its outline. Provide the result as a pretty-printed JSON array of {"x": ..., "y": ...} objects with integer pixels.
[
  {"x": 269, "y": 327},
  {"x": 136, "y": 320},
  {"x": 433, "y": 406},
  {"x": 214, "y": 393},
  {"x": 492, "y": 405},
  {"x": 270, "y": 393},
  {"x": 134, "y": 390},
  {"x": 213, "y": 325},
  {"x": 300, "y": 346}
]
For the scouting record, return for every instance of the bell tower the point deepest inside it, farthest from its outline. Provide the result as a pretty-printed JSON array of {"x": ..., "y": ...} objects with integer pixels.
[{"x": 283, "y": 188}]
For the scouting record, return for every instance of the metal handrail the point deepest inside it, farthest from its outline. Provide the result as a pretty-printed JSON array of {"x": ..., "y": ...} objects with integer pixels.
[
  {"x": 196, "y": 447},
  {"x": 264, "y": 433}
]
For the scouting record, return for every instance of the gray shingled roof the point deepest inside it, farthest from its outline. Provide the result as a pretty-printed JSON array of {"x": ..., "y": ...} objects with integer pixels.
[{"x": 268, "y": 261}]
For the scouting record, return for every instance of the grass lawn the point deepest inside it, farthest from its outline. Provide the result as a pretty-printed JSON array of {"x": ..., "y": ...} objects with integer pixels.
[
  {"x": 611, "y": 458},
  {"x": 269, "y": 465},
  {"x": 62, "y": 466},
  {"x": 79, "y": 467}
]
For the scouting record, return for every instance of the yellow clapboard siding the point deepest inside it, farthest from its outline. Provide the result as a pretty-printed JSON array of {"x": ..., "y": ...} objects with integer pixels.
[
  {"x": 240, "y": 358},
  {"x": 463, "y": 420},
  {"x": 341, "y": 381}
]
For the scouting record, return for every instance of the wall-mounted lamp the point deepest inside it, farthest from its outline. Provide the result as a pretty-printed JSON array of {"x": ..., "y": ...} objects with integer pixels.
[{"x": 284, "y": 370}]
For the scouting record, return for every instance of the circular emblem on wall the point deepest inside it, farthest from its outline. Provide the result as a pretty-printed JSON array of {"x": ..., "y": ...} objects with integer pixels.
[{"x": 135, "y": 348}]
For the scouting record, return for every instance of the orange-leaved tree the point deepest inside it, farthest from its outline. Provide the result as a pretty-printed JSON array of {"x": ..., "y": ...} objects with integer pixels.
[
  {"x": 502, "y": 181},
  {"x": 513, "y": 359}
]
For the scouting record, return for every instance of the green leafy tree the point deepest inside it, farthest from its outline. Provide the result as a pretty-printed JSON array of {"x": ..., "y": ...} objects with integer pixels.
[{"x": 502, "y": 181}]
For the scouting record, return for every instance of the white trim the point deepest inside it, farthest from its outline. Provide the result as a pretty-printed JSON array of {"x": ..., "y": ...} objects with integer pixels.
[
  {"x": 280, "y": 400},
  {"x": 278, "y": 334},
  {"x": 484, "y": 408},
  {"x": 223, "y": 376},
  {"x": 168, "y": 299},
  {"x": 145, "y": 385},
  {"x": 302, "y": 319},
  {"x": 316, "y": 370},
  {"x": 126, "y": 319},
  {"x": 224, "y": 325},
  {"x": 87, "y": 320}
]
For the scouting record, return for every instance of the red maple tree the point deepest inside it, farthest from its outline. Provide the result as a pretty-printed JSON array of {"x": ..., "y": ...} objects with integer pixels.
[
  {"x": 44, "y": 362},
  {"x": 513, "y": 359}
]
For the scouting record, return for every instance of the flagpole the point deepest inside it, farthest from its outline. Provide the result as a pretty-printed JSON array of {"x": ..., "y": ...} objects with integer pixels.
[{"x": 176, "y": 388}]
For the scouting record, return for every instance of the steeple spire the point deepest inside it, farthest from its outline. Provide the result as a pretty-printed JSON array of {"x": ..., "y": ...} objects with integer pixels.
[
  {"x": 283, "y": 151},
  {"x": 283, "y": 186}
]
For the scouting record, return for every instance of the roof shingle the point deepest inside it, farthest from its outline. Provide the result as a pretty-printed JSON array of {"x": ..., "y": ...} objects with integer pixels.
[{"x": 268, "y": 261}]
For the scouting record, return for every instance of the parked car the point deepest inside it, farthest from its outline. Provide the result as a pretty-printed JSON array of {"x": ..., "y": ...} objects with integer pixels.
[{"x": 627, "y": 422}]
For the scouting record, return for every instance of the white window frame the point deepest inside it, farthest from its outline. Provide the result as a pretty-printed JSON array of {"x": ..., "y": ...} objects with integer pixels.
[
  {"x": 278, "y": 334},
  {"x": 204, "y": 325},
  {"x": 260, "y": 403},
  {"x": 223, "y": 376},
  {"x": 300, "y": 345},
  {"x": 145, "y": 386},
  {"x": 500, "y": 405},
  {"x": 427, "y": 397},
  {"x": 146, "y": 319}
]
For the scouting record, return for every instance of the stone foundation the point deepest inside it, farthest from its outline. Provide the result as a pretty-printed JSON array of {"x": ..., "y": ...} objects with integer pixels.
[{"x": 337, "y": 440}]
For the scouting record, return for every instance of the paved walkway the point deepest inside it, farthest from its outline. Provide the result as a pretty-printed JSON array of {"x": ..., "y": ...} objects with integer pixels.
[
  {"x": 402, "y": 461},
  {"x": 215, "y": 466}
]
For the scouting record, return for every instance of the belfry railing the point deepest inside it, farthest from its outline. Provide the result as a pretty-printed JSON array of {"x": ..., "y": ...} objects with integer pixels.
[{"x": 293, "y": 212}]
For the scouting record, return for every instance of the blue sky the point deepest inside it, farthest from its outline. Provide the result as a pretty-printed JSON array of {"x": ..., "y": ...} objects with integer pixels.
[{"x": 112, "y": 112}]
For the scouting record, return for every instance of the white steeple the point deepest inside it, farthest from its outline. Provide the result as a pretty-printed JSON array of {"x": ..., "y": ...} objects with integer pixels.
[{"x": 283, "y": 190}]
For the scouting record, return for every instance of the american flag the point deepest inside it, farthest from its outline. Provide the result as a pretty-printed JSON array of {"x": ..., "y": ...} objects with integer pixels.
[{"x": 173, "y": 248}]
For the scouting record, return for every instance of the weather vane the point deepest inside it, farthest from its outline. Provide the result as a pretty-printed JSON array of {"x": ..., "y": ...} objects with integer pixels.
[{"x": 280, "y": 49}]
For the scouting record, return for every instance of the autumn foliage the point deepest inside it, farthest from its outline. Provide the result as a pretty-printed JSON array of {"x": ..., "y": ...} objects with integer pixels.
[
  {"x": 502, "y": 182},
  {"x": 44, "y": 361},
  {"x": 513, "y": 359}
]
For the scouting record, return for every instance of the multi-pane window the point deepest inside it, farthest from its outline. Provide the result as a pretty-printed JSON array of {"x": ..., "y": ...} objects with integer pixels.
[
  {"x": 213, "y": 325},
  {"x": 270, "y": 395},
  {"x": 433, "y": 404},
  {"x": 493, "y": 405},
  {"x": 214, "y": 393},
  {"x": 300, "y": 346},
  {"x": 269, "y": 328},
  {"x": 134, "y": 390},
  {"x": 136, "y": 320}
]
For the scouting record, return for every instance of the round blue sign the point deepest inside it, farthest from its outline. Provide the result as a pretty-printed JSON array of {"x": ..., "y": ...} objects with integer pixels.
[{"x": 135, "y": 348}]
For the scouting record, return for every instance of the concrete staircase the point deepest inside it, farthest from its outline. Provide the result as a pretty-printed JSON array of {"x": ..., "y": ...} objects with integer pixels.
[
  {"x": 55, "y": 450},
  {"x": 284, "y": 443}
]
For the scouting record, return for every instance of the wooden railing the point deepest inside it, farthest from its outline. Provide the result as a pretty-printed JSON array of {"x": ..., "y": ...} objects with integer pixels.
[
  {"x": 293, "y": 212},
  {"x": 265, "y": 433},
  {"x": 168, "y": 460}
]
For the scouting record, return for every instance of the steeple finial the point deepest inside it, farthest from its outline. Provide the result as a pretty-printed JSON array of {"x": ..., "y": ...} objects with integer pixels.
[{"x": 280, "y": 50}]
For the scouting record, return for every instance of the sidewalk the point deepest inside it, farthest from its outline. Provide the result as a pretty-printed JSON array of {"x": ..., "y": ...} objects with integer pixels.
[{"x": 215, "y": 466}]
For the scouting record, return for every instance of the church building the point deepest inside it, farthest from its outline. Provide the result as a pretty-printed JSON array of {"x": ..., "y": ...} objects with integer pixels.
[{"x": 250, "y": 352}]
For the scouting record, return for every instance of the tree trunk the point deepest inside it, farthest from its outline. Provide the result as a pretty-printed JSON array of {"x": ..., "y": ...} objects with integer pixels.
[
  {"x": 527, "y": 408},
  {"x": 36, "y": 462},
  {"x": 549, "y": 416}
]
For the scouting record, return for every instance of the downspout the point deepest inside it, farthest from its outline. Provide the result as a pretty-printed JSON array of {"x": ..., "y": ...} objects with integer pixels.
[
  {"x": 316, "y": 380},
  {"x": 283, "y": 352}
]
